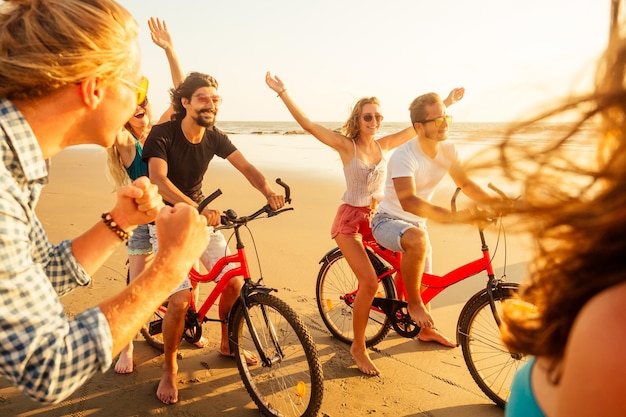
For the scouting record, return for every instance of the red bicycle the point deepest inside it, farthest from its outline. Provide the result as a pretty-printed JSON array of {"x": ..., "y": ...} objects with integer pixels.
[
  {"x": 288, "y": 379},
  {"x": 490, "y": 363}
]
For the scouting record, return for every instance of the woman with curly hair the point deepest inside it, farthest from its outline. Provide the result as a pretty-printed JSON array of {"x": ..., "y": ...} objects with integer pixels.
[
  {"x": 124, "y": 160},
  {"x": 571, "y": 314}
]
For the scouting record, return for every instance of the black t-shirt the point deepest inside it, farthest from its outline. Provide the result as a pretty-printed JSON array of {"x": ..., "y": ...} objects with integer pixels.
[{"x": 186, "y": 162}]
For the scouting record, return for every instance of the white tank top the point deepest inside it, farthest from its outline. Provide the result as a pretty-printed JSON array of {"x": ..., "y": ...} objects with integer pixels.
[{"x": 364, "y": 183}]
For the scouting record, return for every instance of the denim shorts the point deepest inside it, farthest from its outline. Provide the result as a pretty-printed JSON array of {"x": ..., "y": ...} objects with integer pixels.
[
  {"x": 388, "y": 231},
  {"x": 139, "y": 243},
  {"x": 185, "y": 284}
]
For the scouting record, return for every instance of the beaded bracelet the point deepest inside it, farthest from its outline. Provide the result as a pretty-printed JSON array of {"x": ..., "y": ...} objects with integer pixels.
[
  {"x": 282, "y": 91},
  {"x": 115, "y": 228}
]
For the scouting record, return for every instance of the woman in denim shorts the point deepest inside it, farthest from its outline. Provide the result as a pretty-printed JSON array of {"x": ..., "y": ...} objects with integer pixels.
[{"x": 125, "y": 163}]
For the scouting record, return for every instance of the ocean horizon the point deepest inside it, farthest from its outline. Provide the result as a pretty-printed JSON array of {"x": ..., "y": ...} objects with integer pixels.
[{"x": 285, "y": 145}]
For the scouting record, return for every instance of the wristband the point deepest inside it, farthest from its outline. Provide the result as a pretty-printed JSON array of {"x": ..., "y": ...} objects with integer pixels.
[{"x": 115, "y": 228}]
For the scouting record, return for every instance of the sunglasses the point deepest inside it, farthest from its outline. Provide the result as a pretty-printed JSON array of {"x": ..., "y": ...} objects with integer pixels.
[
  {"x": 438, "y": 120},
  {"x": 203, "y": 99},
  {"x": 141, "y": 89},
  {"x": 369, "y": 117}
]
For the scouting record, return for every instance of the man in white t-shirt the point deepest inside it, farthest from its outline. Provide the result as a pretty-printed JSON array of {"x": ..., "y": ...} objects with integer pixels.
[{"x": 413, "y": 172}]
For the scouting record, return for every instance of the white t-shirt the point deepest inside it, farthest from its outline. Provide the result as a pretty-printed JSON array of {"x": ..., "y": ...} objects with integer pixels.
[{"x": 408, "y": 160}]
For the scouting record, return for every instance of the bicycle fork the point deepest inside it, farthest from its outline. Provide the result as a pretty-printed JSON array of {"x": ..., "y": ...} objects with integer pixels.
[
  {"x": 492, "y": 283},
  {"x": 246, "y": 291}
]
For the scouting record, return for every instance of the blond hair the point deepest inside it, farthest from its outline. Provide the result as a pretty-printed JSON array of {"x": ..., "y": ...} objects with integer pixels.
[
  {"x": 116, "y": 170},
  {"x": 46, "y": 45},
  {"x": 351, "y": 127}
]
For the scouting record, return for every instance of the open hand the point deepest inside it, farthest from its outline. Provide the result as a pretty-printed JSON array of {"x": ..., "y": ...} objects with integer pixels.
[
  {"x": 455, "y": 95},
  {"x": 159, "y": 33},
  {"x": 274, "y": 83}
]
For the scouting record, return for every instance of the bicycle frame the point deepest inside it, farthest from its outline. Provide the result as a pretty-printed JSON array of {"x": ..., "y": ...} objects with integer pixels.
[
  {"x": 231, "y": 221},
  {"x": 241, "y": 270},
  {"x": 434, "y": 284},
  {"x": 247, "y": 289}
]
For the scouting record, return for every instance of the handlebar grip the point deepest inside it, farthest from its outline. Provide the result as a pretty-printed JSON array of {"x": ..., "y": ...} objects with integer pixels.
[
  {"x": 207, "y": 200},
  {"x": 287, "y": 190},
  {"x": 499, "y": 191},
  {"x": 453, "y": 201}
]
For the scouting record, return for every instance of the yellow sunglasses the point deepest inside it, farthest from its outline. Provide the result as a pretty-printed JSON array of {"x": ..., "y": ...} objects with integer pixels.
[
  {"x": 438, "y": 120},
  {"x": 141, "y": 89}
]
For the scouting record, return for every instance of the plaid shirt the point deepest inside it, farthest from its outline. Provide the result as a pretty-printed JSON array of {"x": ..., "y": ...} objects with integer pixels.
[{"x": 44, "y": 353}]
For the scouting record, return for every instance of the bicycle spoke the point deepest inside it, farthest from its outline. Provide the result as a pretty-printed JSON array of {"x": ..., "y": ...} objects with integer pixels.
[
  {"x": 290, "y": 384},
  {"x": 490, "y": 363},
  {"x": 335, "y": 292}
]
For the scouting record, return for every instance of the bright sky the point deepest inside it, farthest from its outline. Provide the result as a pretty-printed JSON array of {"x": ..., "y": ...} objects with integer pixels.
[{"x": 510, "y": 56}]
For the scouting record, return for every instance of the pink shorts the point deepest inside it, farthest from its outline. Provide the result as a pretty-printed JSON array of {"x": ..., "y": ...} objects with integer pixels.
[{"x": 352, "y": 221}]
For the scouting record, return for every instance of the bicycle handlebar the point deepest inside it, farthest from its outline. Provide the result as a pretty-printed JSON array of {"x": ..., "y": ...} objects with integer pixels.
[
  {"x": 501, "y": 193},
  {"x": 453, "y": 201},
  {"x": 207, "y": 200},
  {"x": 229, "y": 219}
]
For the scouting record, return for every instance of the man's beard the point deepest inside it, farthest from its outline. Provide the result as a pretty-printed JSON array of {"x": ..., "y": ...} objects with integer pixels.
[{"x": 200, "y": 121}]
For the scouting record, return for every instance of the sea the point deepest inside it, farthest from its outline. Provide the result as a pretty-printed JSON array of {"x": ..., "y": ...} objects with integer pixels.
[{"x": 286, "y": 144}]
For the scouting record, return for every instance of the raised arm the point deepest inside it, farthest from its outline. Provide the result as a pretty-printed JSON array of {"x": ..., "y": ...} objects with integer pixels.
[
  {"x": 162, "y": 38},
  {"x": 456, "y": 94},
  {"x": 323, "y": 134},
  {"x": 396, "y": 139}
]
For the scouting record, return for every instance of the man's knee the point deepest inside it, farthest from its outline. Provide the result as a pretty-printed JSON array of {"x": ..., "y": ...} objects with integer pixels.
[
  {"x": 233, "y": 286},
  {"x": 414, "y": 240},
  {"x": 178, "y": 302}
]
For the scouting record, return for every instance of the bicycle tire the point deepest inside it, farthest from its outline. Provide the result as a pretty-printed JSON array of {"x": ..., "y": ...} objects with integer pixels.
[
  {"x": 336, "y": 279},
  {"x": 489, "y": 362},
  {"x": 292, "y": 384},
  {"x": 152, "y": 330}
]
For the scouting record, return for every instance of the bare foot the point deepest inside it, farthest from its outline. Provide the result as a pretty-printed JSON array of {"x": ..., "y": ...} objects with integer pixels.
[
  {"x": 167, "y": 391},
  {"x": 202, "y": 343},
  {"x": 124, "y": 364},
  {"x": 251, "y": 358},
  {"x": 420, "y": 315},
  {"x": 363, "y": 361},
  {"x": 434, "y": 335}
]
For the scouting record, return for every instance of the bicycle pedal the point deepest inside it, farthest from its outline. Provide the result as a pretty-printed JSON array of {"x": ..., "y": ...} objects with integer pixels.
[
  {"x": 388, "y": 305},
  {"x": 156, "y": 327}
]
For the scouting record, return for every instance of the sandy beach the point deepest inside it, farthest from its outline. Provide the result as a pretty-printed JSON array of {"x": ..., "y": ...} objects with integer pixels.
[{"x": 418, "y": 379}]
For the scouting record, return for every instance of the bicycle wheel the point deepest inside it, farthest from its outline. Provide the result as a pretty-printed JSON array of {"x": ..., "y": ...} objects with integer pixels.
[
  {"x": 335, "y": 291},
  {"x": 152, "y": 331},
  {"x": 489, "y": 362},
  {"x": 292, "y": 383}
]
